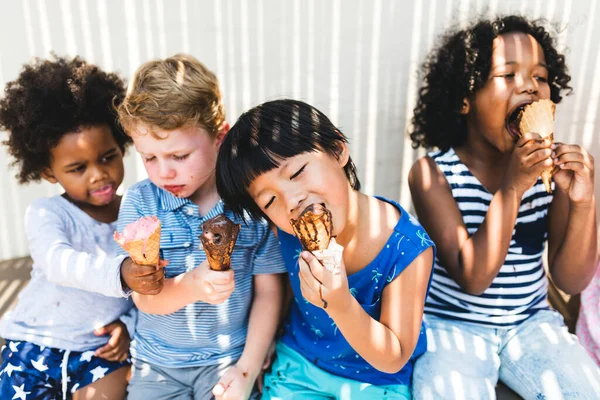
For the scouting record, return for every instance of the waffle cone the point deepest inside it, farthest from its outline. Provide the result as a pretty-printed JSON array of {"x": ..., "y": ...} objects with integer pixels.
[
  {"x": 313, "y": 227},
  {"x": 538, "y": 118},
  {"x": 218, "y": 238},
  {"x": 143, "y": 251}
]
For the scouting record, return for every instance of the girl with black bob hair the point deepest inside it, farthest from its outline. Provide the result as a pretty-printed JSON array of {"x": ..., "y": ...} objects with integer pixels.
[
  {"x": 251, "y": 155},
  {"x": 362, "y": 325},
  {"x": 480, "y": 196}
]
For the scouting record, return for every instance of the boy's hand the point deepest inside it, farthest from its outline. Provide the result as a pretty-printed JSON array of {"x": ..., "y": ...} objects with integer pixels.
[
  {"x": 574, "y": 171},
  {"x": 531, "y": 155},
  {"x": 233, "y": 385},
  {"x": 143, "y": 279},
  {"x": 117, "y": 348},
  {"x": 210, "y": 286},
  {"x": 321, "y": 287}
]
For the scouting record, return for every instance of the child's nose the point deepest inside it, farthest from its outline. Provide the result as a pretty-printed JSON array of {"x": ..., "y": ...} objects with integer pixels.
[
  {"x": 97, "y": 174},
  {"x": 527, "y": 85},
  {"x": 294, "y": 203},
  {"x": 165, "y": 171}
]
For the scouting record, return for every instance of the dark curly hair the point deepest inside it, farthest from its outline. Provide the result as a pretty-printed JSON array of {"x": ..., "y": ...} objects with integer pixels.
[
  {"x": 460, "y": 66},
  {"x": 52, "y": 98}
]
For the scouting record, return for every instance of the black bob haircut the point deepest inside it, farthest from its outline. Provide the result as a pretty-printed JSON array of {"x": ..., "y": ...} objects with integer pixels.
[{"x": 262, "y": 138}]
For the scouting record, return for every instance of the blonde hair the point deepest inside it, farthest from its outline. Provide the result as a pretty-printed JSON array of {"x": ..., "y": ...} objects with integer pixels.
[{"x": 173, "y": 93}]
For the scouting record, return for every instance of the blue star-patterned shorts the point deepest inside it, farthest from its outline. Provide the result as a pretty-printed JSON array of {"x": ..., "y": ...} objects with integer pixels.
[{"x": 29, "y": 371}]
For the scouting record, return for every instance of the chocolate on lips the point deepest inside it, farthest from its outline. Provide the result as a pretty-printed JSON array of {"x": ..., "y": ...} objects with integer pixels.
[
  {"x": 313, "y": 227},
  {"x": 218, "y": 238}
]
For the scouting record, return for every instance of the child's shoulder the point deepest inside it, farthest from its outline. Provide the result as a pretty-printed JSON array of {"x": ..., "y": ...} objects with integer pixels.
[
  {"x": 143, "y": 191},
  {"x": 428, "y": 177},
  {"x": 144, "y": 186},
  {"x": 48, "y": 203},
  {"x": 44, "y": 206},
  {"x": 408, "y": 233},
  {"x": 53, "y": 212},
  {"x": 257, "y": 228}
]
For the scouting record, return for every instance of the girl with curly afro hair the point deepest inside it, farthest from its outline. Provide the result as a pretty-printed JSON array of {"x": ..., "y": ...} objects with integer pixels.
[
  {"x": 69, "y": 332},
  {"x": 479, "y": 196}
]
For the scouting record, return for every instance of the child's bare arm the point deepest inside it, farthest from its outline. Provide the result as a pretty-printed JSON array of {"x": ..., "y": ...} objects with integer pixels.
[
  {"x": 474, "y": 261},
  {"x": 386, "y": 344},
  {"x": 264, "y": 318},
  {"x": 199, "y": 284},
  {"x": 572, "y": 230}
]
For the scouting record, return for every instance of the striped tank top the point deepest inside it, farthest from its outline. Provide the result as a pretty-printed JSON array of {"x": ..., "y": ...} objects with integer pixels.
[{"x": 520, "y": 288}]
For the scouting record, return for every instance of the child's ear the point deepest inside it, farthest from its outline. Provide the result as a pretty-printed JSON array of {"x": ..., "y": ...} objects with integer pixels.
[
  {"x": 466, "y": 107},
  {"x": 48, "y": 175},
  {"x": 222, "y": 133},
  {"x": 344, "y": 155}
]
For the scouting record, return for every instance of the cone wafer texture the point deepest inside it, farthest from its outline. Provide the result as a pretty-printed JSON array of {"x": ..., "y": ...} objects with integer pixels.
[
  {"x": 313, "y": 227},
  {"x": 141, "y": 240},
  {"x": 218, "y": 238},
  {"x": 538, "y": 117}
]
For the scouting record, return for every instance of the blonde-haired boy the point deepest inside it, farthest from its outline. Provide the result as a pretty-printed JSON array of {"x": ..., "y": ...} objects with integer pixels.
[{"x": 199, "y": 332}]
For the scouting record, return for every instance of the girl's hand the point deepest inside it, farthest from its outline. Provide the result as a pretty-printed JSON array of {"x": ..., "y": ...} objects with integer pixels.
[
  {"x": 574, "y": 171},
  {"x": 530, "y": 157},
  {"x": 233, "y": 385},
  {"x": 117, "y": 348},
  {"x": 321, "y": 287}
]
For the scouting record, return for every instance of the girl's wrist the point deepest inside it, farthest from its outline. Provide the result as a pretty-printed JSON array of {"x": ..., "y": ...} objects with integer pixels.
[
  {"x": 583, "y": 205},
  {"x": 512, "y": 191}
]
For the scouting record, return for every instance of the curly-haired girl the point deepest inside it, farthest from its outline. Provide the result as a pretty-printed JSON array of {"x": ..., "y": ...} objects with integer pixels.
[
  {"x": 480, "y": 198},
  {"x": 65, "y": 335}
]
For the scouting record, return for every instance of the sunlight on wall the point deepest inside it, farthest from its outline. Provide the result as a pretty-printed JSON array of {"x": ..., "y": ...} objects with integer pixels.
[{"x": 355, "y": 60}]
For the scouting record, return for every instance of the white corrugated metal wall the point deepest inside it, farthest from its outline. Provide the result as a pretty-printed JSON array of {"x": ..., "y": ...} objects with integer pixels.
[{"x": 354, "y": 59}]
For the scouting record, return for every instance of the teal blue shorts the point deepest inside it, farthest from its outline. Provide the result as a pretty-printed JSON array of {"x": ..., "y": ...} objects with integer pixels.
[{"x": 294, "y": 377}]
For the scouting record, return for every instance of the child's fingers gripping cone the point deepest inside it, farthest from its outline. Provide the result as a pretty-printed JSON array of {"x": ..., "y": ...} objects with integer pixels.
[
  {"x": 538, "y": 117},
  {"x": 143, "y": 272}
]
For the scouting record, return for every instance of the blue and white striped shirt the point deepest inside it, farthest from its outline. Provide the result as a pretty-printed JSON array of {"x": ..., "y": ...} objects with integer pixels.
[
  {"x": 200, "y": 333},
  {"x": 520, "y": 288}
]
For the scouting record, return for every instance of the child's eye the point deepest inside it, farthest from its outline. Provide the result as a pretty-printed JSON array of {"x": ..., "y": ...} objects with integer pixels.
[
  {"x": 507, "y": 76},
  {"x": 148, "y": 159},
  {"x": 541, "y": 79},
  {"x": 270, "y": 202},
  {"x": 298, "y": 172},
  {"x": 77, "y": 169},
  {"x": 180, "y": 158},
  {"x": 107, "y": 158}
]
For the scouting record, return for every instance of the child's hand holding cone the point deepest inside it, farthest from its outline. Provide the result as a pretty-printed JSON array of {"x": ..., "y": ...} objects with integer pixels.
[{"x": 143, "y": 271}]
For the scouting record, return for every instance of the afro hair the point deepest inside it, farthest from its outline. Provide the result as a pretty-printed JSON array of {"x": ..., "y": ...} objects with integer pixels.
[
  {"x": 460, "y": 66},
  {"x": 52, "y": 98}
]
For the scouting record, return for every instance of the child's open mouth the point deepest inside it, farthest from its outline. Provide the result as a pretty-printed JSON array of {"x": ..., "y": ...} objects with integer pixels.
[{"x": 513, "y": 119}]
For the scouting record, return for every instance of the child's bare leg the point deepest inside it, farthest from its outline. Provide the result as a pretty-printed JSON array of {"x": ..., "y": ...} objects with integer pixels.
[{"x": 112, "y": 386}]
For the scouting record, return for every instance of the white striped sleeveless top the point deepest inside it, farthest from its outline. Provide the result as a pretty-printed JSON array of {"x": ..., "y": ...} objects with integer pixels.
[{"x": 520, "y": 288}]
